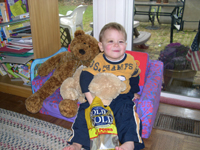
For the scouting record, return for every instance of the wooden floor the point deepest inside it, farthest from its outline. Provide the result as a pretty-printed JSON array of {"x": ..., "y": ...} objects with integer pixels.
[{"x": 159, "y": 139}]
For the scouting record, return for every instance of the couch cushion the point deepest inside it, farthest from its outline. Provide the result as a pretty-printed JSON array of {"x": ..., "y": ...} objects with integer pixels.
[
  {"x": 142, "y": 60},
  {"x": 148, "y": 103}
]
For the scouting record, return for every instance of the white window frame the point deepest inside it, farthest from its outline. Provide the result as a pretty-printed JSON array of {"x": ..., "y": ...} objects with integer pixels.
[{"x": 121, "y": 11}]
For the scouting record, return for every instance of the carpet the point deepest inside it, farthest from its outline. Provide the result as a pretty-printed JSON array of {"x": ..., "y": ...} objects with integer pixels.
[
  {"x": 177, "y": 124},
  {"x": 19, "y": 131},
  {"x": 182, "y": 103}
]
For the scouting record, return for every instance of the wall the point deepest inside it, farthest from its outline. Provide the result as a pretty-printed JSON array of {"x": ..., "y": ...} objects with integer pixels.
[{"x": 121, "y": 11}]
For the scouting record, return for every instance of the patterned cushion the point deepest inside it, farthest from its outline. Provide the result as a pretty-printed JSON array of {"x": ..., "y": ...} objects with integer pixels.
[
  {"x": 148, "y": 104},
  {"x": 50, "y": 104}
]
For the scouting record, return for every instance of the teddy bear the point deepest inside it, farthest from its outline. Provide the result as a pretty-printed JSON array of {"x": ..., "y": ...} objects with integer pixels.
[
  {"x": 106, "y": 86},
  {"x": 83, "y": 49}
]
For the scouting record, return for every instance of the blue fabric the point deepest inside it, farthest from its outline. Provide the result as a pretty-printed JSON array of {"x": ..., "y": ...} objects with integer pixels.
[
  {"x": 85, "y": 79},
  {"x": 134, "y": 82}
]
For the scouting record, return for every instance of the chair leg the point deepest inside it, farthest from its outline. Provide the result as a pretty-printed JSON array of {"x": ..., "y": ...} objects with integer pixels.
[
  {"x": 81, "y": 26},
  {"x": 171, "y": 29},
  {"x": 171, "y": 35},
  {"x": 73, "y": 31},
  {"x": 157, "y": 15}
]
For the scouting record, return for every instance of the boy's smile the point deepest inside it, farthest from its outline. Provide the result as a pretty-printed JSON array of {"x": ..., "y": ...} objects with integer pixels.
[{"x": 113, "y": 44}]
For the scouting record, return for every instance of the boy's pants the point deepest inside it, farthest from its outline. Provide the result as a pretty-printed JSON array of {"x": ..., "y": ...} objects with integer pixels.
[{"x": 129, "y": 126}]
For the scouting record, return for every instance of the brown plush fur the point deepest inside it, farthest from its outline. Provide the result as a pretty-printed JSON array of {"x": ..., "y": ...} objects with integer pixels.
[
  {"x": 70, "y": 88},
  {"x": 106, "y": 86},
  {"x": 83, "y": 50},
  {"x": 68, "y": 108},
  {"x": 70, "y": 91}
]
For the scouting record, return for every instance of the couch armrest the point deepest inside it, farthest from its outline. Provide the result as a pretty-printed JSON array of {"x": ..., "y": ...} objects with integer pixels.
[{"x": 148, "y": 104}]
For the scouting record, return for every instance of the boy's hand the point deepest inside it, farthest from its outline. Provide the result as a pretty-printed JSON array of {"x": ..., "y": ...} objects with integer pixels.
[
  {"x": 136, "y": 96},
  {"x": 89, "y": 97}
]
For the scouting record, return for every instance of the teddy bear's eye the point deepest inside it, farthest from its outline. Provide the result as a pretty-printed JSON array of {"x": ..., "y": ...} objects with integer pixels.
[
  {"x": 84, "y": 43},
  {"x": 89, "y": 45}
]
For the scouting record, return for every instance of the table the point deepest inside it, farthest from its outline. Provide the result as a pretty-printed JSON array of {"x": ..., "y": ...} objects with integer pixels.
[
  {"x": 176, "y": 6},
  {"x": 141, "y": 37},
  {"x": 136, "y": 24},
  {"x": 153, "y": 3}
]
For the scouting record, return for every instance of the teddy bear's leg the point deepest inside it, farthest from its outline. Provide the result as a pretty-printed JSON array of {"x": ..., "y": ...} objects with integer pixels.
[
  {"x": 68, "y": 108},
  {"x": 33, "y": 103}
]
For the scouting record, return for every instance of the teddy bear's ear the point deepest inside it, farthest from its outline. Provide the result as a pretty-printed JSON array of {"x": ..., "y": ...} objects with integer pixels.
[{"x": 79, "y": 32}]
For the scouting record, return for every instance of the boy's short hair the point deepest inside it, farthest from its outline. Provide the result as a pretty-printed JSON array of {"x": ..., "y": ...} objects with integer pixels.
[{"x": 112, "y": 25}]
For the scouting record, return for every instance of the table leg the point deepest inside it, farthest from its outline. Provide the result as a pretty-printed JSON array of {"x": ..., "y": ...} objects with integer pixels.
[{"x": 136, "y": 33}]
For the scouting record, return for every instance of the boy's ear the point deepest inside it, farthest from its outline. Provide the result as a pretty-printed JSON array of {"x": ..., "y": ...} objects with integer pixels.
[{"x": 100, "y": 46}]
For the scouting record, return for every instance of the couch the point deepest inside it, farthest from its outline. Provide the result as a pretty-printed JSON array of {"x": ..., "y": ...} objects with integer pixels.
[{"x": 150, "y": 89}]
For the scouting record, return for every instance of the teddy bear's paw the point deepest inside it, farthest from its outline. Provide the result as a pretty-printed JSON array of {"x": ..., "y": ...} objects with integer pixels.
[
  {"x": 68, "y": 108},
  {"x": 33, "y": 104},
  {"x": 82, "y": 99}
]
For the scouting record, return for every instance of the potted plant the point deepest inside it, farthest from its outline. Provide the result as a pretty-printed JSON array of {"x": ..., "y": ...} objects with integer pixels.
[{"x": 176, "y": 66}]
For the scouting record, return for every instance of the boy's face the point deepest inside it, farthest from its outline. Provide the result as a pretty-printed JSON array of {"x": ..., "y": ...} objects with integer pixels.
[{"x": 113, "y": 44}]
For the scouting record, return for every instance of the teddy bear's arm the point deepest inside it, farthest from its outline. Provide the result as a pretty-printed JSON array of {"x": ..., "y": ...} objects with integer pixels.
[{"x": 50, "y": 64}]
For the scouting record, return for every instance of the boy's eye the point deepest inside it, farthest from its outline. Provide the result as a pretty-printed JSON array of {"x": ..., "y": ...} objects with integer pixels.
[
  {"x": 121, "y": 41},
  {"x": 110, "y": 41}
]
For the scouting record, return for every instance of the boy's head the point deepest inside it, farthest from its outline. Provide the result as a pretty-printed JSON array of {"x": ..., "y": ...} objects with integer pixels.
[
  {"x": 113, "y": 41},
  {"x": 112, "y": 25}
]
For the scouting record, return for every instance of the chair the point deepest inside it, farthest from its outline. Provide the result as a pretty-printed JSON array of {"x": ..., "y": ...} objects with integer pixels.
[
  {"x": 164, "y": 13},
  {"x": 150, "y": 89},
  {"x": 144, "y": 13},
  {"x": 73, "y": 19},
  {"x": 189, "y": 19}
]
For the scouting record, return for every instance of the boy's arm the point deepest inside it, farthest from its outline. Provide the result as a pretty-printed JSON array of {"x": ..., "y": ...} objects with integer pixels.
[
  {"x": 134, "y": 83},
  {"x": 85, "y": 79},
  {"x": 89, "y": 97}
]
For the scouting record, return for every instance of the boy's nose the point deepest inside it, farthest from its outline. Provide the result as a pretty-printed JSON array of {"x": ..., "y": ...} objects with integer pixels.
[{"x": 116, "y": 44}]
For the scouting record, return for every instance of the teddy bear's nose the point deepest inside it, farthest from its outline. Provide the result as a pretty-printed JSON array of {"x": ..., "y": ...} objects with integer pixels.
[{"x": 81, "y": 51}]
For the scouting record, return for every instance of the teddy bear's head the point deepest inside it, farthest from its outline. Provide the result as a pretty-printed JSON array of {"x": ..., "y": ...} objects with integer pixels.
[
  {"x": 84, "y": 46},
  {"x": 106, "y": 86}
]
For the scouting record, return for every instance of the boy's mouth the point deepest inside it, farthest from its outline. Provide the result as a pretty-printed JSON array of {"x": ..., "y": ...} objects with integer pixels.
[{"x": 116, "y": 50}]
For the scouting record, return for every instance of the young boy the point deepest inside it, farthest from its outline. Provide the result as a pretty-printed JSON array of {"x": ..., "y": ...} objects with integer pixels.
[{"x": 113, "y": 59}]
